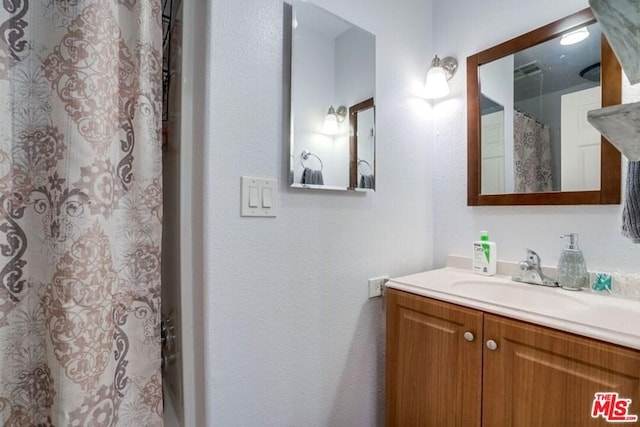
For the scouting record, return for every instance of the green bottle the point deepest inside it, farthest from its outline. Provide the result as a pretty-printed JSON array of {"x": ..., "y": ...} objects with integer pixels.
[{"x": 484, "y": 255}]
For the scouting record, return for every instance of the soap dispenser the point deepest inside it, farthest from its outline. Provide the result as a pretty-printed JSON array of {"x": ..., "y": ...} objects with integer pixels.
[{"x": 572, "y": 269}]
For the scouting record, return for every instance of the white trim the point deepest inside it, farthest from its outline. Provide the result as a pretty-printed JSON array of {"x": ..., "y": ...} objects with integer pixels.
[{"x": 191, "y": 224}]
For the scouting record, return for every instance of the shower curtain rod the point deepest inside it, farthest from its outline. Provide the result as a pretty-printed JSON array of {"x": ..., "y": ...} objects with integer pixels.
[{"x": 524, "y": 113}]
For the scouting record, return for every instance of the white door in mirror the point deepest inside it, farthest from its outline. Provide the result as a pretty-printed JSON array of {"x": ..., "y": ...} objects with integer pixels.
[
  {"x": 580, "y": 148},
  {"x": 492, "y": 140},
  {"x": 258, "y": 197}
]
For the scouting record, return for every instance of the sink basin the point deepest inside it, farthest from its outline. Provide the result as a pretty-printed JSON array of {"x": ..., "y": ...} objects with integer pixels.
[{"x": 518, "y": 294}]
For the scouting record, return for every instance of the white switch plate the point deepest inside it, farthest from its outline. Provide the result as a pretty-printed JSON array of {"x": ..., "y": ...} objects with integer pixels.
[
  {"x": 261, "y": 184},
  {"x": 375, "y": 286}
]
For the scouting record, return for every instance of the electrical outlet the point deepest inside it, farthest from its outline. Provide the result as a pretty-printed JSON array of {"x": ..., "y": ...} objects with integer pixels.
[{"x": 375, "y": 286}]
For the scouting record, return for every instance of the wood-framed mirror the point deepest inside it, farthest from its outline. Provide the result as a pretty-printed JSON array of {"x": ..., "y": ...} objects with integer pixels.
[
  {"x": 362, "y": 146},
  {"x": 538, "y": 118}
]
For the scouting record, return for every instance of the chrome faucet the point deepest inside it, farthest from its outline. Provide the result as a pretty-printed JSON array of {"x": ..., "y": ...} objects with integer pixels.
[{"x": 531, "y": 271}]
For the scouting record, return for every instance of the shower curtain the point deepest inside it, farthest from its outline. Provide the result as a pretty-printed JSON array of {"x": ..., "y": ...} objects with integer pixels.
[
  {"x": 532, "y": 155},
  {"x": 80, "y": 212}
]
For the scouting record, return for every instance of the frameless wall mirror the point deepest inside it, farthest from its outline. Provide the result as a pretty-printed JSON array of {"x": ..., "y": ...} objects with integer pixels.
[
  {"x": 332, "y": 102},
  {"x": 529, "y": 141}
]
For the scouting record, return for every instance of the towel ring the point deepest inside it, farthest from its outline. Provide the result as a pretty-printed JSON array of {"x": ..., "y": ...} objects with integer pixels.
[
  {"x": 360, "y": 162},
  {"x": 305, "y": 156}
]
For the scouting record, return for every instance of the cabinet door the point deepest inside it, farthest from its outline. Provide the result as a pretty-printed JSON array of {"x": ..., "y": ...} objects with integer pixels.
[
  {"x": 434, "y": 375},
  {"x": 540, "y": 377}
]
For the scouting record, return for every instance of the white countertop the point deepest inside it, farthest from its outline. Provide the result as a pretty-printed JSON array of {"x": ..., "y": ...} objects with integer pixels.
[{"x": 610, "y": 319}]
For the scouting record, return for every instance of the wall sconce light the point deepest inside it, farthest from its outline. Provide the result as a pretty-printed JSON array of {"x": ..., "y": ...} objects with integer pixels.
[
  {"x": 575, "y": 36},
  {"x": 332, "y": 119},
  {"x": 441, "y": 71}
]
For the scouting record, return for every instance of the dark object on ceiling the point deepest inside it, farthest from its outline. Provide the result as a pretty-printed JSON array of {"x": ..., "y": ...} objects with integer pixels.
[{"x": 591, "y": 73}]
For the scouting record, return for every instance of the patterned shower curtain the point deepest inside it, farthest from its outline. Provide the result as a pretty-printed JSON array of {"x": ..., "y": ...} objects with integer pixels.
[
  {"x": 80, "y": 212},
  {"x": 532, "y": 155}
]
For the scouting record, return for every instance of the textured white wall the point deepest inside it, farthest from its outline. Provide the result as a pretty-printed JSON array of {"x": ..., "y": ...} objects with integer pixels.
[
  {"x": 291, "y": 338},
  {"x": 462, "y": 28}
]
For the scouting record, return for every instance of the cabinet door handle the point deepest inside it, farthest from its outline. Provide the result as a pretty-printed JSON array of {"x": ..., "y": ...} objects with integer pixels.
[
  {"x": 469, "y": 336},
  {"x": 492, "y": 345}
]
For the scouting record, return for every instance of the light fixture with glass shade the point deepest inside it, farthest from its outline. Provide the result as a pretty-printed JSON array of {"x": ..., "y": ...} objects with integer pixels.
[
  {"x": 575, "y": 36},
  {"x": 333, "y": 118},
  {"x": 441, "y": 71}
]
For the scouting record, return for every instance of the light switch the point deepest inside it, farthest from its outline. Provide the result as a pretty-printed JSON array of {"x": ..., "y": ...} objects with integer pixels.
[
  {"x": 253, "y": 197},
  {"x": 258, "y": 197},
  {"x": 266, "y": 198}
]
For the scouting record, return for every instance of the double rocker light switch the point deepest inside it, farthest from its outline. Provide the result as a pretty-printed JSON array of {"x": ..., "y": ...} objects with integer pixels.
[{"x": 258, "y": 197}]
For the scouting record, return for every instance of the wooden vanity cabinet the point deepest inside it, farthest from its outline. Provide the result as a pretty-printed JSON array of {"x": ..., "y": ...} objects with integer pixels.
[
  {"x": 535, "y": 376},
  {"x": 543, "y": 377},
  {"x": 433, "y": 374}
]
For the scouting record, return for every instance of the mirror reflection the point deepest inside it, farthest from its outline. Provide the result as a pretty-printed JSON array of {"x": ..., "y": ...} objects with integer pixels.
[
  {"x": 362, "y": 132},
  {"x": 332, "y": 71},
  {"x": 533, "y": 127}
]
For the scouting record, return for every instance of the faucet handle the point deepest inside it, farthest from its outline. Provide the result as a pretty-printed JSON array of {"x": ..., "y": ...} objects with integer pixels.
[{"x": 533, "y": 257}]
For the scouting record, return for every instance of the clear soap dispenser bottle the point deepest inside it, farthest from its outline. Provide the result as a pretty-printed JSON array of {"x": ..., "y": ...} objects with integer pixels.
[{"x": 572, "y": 269}]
